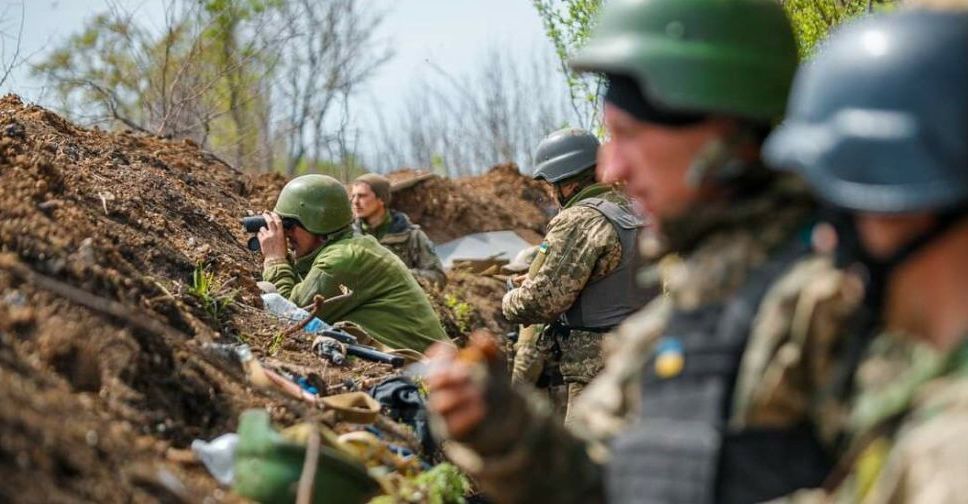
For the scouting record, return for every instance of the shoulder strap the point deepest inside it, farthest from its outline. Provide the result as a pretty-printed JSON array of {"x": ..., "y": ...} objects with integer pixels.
[{"x": 616, "y": 214}]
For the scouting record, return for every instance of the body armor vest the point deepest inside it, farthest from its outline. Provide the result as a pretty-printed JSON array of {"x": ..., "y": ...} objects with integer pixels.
[
  {"x": 605, "y": 302},
  {"x": 680, "y": 449}
]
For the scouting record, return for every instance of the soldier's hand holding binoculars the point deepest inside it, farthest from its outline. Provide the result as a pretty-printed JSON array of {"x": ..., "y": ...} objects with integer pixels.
[{"x": 272, "y": 238}]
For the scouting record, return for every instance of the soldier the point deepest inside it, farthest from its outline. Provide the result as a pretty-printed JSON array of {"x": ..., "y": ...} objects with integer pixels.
[
  {"x": 583, "y": 280},
  {"x": 878, "y": 124},
  {"x": 371, "y": 209},
  {"x": 313, "y": 215},
  {"x": 713, "y": 392}
]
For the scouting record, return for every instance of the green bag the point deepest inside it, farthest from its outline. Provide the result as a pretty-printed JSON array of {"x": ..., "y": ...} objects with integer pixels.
[{"x": 267, "y": 467}]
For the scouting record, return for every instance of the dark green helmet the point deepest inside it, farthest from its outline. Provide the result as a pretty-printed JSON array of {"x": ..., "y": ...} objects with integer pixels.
[
  {"x": 878, "y": 121},
  {"x": 564, "y": 154},
  {"x": 318, "y": 202},
  {"x": 730, "y": 57}
]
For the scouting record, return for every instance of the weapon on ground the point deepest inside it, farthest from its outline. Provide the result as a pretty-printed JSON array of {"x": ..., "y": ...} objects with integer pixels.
[{"x": 352, "y": 347}]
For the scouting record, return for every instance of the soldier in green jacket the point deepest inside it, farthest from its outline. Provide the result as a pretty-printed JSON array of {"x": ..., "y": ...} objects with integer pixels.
[
  {"x": 370, "y": 196},
  {"x": 313, "y": 215}
]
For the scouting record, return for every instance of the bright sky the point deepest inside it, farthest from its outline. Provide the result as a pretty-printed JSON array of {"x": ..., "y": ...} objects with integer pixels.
[{"x": 451, "y": 34}]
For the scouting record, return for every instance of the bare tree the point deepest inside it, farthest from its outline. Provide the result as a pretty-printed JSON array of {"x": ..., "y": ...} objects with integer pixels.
[
  {"x": 10, "y": 43},
  {"x": 337, "y": 50},
  {"x": 462, "y": 125},
  {"x": 174, "y": 83}
]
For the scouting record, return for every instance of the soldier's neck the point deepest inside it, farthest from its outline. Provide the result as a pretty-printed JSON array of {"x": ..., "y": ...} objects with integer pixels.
[
  {"x": 376, "y": 219},
  {"x": 930, "y": 299}
]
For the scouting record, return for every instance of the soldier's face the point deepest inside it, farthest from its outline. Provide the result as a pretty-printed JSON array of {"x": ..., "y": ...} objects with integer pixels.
[
  {"x": 302, "y": 242},
  {"x": 365, "y": 203},
  {"x": 653, "y": 160}
]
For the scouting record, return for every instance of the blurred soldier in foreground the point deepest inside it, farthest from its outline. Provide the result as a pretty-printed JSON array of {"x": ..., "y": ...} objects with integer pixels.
[
  {"x": 313, "y": 216},
  {"x": 878, "y": 124},
  {"x": 715, "y": 391},
  {"x": 582, "y": 281},
  {"x": 371, "y": 209}
]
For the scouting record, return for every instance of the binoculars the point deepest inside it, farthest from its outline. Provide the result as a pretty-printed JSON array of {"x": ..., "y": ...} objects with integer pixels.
[{"x": 254, "y": 223}]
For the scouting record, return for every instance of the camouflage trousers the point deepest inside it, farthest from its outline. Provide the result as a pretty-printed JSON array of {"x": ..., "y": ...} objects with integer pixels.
[{"x": 561, "y": 364}]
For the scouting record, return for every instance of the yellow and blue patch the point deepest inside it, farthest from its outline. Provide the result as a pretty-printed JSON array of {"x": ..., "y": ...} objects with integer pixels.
[{"x": 669, "y": 358}]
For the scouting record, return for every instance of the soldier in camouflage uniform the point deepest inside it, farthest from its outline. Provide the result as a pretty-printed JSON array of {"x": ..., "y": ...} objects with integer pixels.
[
  {"x": 370, "y": 195},
  {"x": 716, "y": 391},
  {"x": 878, "y": 124},
  {"x": 582, "y": 282}
]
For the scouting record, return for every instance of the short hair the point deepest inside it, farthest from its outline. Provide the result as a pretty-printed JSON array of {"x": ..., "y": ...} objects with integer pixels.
[{"x": 378, "y": 183}]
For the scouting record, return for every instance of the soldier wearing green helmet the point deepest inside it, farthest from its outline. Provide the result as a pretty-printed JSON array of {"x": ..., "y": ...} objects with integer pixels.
[
  {"x": 716, "y": 391},
  {"x": 313, "y": 215}
]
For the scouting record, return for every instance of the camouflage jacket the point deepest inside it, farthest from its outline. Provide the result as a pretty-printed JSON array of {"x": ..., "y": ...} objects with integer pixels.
[
  {"x": 409, "y": 243},
  {"x": 580, "y": 245},
  {"x": 786, "y": 364},
  {"x": 909, "y": 425}
]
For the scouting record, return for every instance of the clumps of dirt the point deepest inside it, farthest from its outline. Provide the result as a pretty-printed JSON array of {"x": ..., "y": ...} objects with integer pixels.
[
  {"x": 469, "y": 302},
  {"x": 105, "y": 361},
  {"x": 500, "y": 199},
  {"x": 103, "y": 367}
]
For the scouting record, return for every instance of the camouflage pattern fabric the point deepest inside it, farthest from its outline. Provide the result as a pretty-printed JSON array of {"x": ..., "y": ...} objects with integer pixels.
[
  {"x": 783, "y": 374},
  {"x": 908, "y": 423},
  {"x": 409, "y": 243},
  {"x": 528, "y": 360},
  {"x": 581, "y": 245}
]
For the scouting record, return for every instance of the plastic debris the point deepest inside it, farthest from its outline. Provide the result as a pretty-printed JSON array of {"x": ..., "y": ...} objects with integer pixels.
[
  {"x": 283, "y": 308},
  {"x": 218, "y": 456}
]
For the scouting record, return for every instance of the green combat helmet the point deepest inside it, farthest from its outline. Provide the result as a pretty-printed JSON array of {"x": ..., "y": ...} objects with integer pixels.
[
  {"x": 318, "y": 202},
  {"x": 564, "y": 154},
  {"x": 734, "y": 58}
]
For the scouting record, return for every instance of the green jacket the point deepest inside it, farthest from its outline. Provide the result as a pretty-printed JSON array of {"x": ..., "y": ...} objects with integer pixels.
[{"x": 386, "y": 299}]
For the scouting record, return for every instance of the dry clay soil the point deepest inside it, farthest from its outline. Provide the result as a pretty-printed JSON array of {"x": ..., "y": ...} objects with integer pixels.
[{"x": 104, "y": 377}]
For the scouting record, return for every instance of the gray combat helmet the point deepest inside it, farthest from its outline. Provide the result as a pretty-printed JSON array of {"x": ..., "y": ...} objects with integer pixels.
[
  {"x": 878, "y": 121},
  {"x": 564, "y": 154}
]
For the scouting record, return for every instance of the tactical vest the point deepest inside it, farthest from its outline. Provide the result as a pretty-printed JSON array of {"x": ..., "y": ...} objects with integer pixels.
[
  {"x": 605, "y": 302},
  {"x": 680, "y": 449}
]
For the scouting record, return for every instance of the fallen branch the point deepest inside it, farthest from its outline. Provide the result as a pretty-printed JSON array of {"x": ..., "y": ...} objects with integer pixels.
[{"x": 304, "y": 492}]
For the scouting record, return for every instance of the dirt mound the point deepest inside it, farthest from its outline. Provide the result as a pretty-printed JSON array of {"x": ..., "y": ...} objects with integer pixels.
[
  {"x": 500, "y": 199},
  {"x": 102, "y": 368},
  {"x": 104, "y": 375}
]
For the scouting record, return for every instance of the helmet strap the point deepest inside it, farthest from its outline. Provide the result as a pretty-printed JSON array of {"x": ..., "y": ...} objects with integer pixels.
[{"x": 876, "y": 272}]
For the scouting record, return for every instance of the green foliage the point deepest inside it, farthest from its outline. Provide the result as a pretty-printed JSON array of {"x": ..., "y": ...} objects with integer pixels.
[
  {"x": 462, "y": 311},
  {"x": 568, "y": 24},
  {"x": 275, "y": 344},
  {"x": 200, "y": 77},
  {"x": 442, "y": 484},
  {"x": 814, "y": 19},
  {"x": 213, "y": 296}
]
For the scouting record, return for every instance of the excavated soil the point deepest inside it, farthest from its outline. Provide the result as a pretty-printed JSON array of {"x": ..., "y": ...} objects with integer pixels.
[
  {"x": 105, "y": 376},
  {"x": 500, "y": 199}
]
